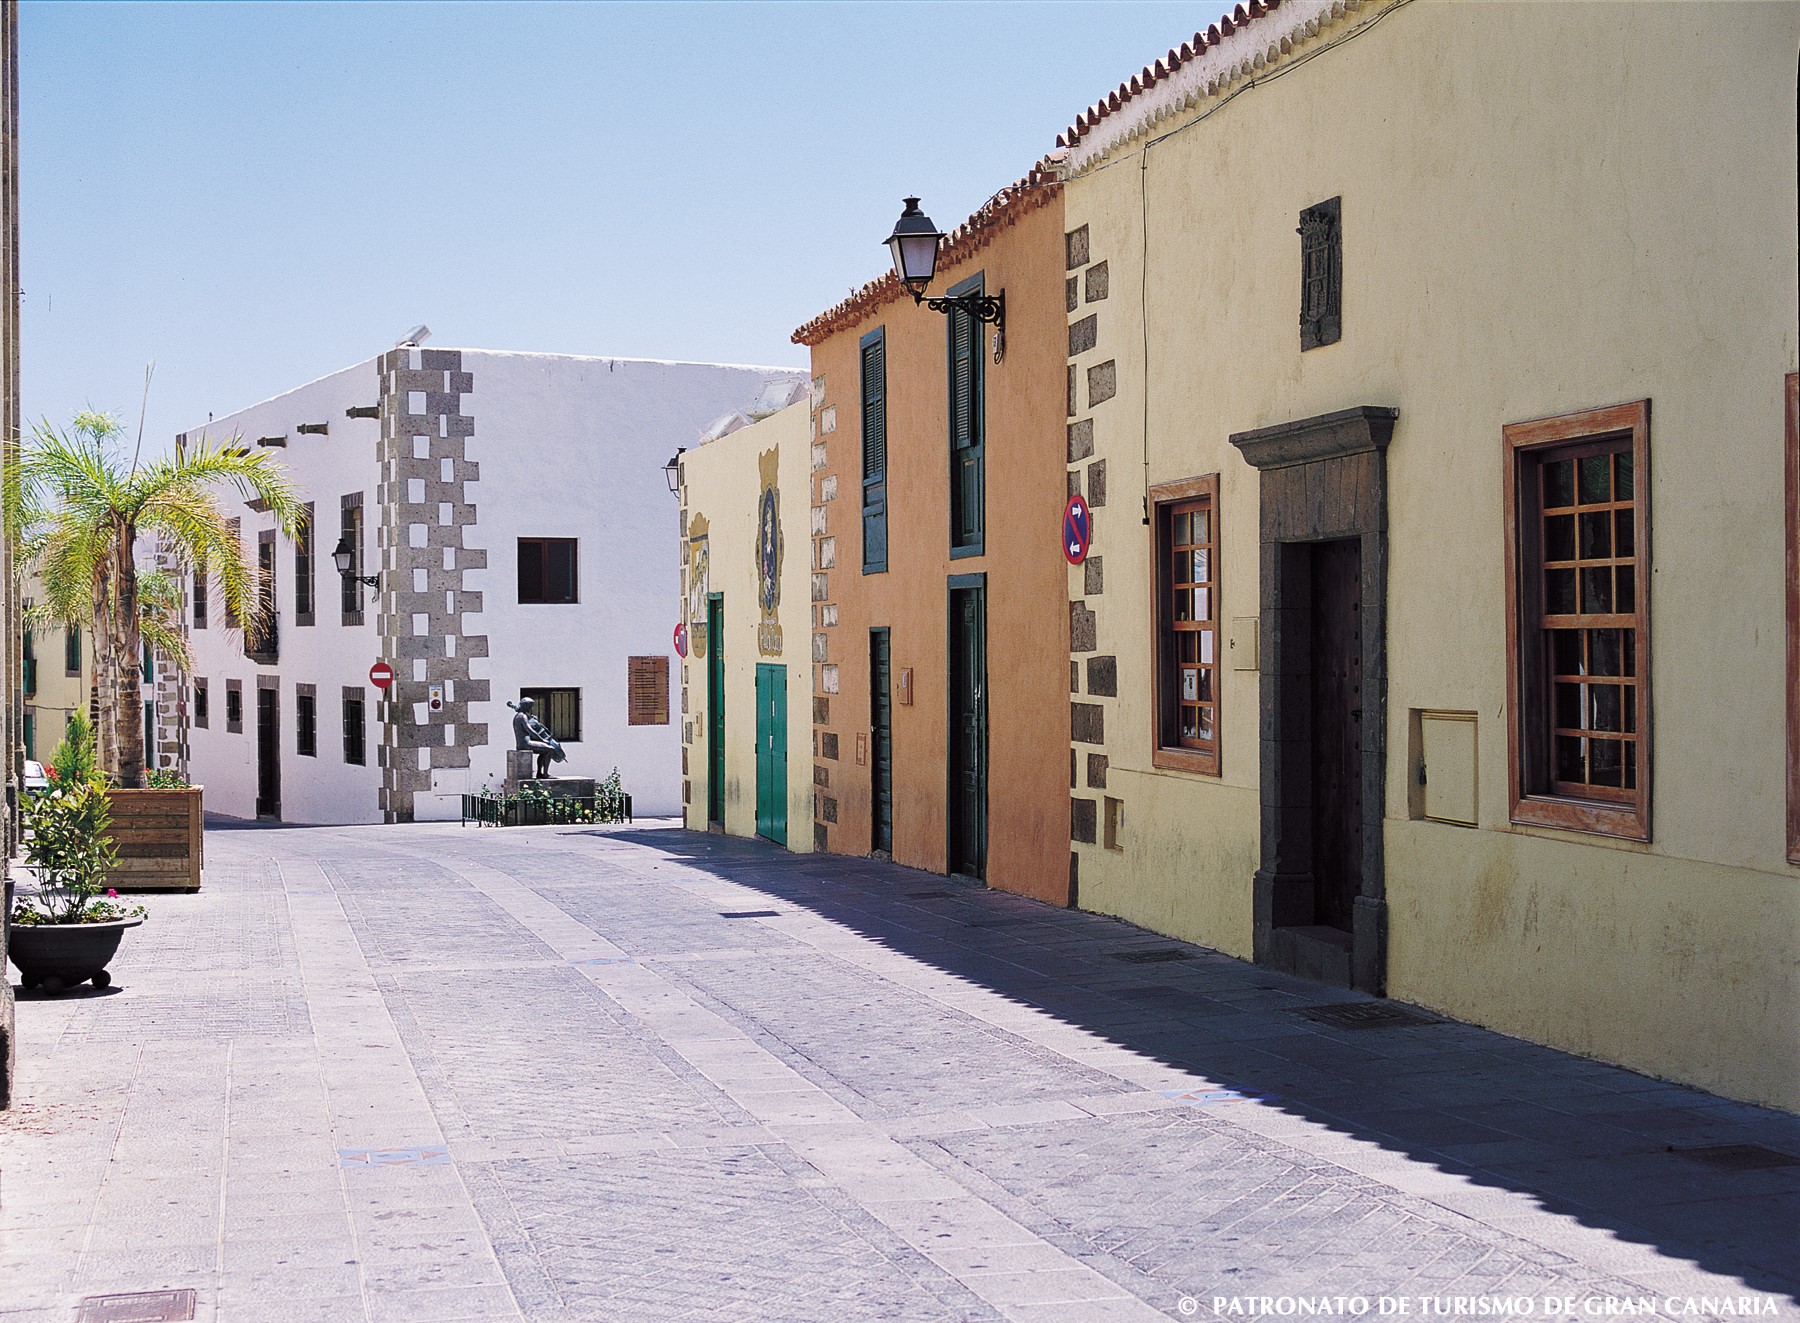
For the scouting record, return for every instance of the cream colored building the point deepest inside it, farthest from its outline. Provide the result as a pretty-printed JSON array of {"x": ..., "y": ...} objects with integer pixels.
[
  {"x": 1371, "y": 590},
  {"x": 746, "y": 498},
  {"x": 59, "y": 677}
]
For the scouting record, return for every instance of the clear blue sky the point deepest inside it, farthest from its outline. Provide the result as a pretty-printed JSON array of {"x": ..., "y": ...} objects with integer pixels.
[{"x": 254, "y": 195}]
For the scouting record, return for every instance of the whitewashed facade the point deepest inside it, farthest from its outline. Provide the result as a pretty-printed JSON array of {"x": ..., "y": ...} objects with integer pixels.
[{"x": 454, "y": 458}]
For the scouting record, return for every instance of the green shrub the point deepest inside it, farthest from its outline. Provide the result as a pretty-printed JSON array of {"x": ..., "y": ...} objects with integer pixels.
[{"x": 68, "y": 843}]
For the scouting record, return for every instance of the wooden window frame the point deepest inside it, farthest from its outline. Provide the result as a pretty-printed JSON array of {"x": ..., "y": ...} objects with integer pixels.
[
  {"x": 200, "y": 591},
  {"x": 355, "y": 698},
  {"x": 875, "y": 486},
  {"x": 350, "y": 586},
  {"x": 1531, "y": 799},
  {"x": 647, "y": 691},
  {"x": 1196, "y": 759},
  {"x": 72, "y": 650},
  {"x": 305, "y": 598},
  {"x": 1791, "y": 475},
  {"x": 544, "y": 544},
  {"x": 306, "y": 721},
  {"x": 202, "y": 704},
  {"x": 234, "y": 701}
]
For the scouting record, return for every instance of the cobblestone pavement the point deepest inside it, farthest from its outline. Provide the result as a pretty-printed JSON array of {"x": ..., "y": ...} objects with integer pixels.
[{"x": 431, "y": 1073}]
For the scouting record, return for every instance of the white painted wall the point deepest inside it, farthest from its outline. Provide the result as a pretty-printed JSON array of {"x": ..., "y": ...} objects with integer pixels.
[
  {"x": 568, "y": 447},
  {"x": 327, "y": 654},
  {"x": 575, "y": 447}
]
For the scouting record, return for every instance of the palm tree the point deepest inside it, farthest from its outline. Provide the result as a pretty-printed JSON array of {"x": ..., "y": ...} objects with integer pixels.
[{"x": 78, "y": 510}]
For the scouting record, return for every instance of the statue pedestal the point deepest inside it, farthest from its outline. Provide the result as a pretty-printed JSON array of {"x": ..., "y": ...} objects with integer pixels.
[
  {"x": 567, "y": 787},
  {"x": 521, "y": 765}
]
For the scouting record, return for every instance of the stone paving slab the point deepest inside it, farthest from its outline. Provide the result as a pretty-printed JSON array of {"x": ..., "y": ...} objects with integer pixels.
[{"x": 429, "y": 1073}]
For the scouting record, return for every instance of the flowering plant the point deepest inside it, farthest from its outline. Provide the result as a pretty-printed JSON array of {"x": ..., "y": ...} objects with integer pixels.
[{"x": 68, "y": 840}]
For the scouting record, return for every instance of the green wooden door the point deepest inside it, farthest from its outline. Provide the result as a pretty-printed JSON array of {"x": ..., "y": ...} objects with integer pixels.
[
  {"x": 968, "y": 732},
  {"x": 771, "y": 753},
  {"x": 715, "y": 708}
]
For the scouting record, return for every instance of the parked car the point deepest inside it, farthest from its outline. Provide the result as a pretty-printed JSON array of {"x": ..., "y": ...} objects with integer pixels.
[{"x": 35, "y": 780}]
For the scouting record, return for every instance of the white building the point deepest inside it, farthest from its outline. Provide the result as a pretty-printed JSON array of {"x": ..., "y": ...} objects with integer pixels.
[{"x": 514, "y": 510}]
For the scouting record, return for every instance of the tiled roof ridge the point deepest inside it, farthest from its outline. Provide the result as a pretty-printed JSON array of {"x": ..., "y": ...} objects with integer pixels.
[
  {"x": 1040, "y": 184},
  {"x": 1243, "y": 41}
]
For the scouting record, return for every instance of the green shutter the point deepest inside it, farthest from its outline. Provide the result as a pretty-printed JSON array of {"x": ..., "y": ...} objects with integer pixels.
[
  {"x": 874, "y": 440},
  {"x": 967, "y": 466}
]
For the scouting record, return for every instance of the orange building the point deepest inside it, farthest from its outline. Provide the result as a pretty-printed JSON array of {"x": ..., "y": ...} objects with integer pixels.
[{"x": 939, "y": 592}]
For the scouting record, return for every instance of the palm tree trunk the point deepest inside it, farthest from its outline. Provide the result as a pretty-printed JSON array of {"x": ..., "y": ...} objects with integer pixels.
[
  {"x": 128, "y": 660},
  {"x": 106, "y": 755}
]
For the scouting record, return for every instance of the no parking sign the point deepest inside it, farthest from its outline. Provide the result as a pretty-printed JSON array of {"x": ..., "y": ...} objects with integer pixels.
[{"x": 1078, "y": 529}]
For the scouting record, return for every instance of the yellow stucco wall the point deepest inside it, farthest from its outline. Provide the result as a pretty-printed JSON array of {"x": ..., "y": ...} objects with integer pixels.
[
  {"x": 723, "y": 486},
  {"x": 1545, "y": 208}
]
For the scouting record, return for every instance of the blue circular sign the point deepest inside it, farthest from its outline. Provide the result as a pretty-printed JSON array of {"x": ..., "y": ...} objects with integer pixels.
[{"x": 1078, "y": 529}]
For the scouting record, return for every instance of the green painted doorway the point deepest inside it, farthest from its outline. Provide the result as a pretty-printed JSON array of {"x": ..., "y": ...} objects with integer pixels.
[
  {"x": 968, "y": 720},
  {"x": 771, "y": 753},
  {"x": 715, "y": 708}
]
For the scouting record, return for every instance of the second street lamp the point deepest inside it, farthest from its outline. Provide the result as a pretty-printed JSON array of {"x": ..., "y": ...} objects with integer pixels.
[{"x": 343, "y": 556}]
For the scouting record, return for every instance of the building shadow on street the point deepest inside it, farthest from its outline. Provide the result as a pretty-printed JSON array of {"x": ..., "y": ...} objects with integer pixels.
[{"x": 1693, "y": 1175}]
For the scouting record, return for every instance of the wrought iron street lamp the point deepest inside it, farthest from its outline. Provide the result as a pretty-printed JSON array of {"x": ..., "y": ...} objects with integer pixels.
[
  {"x": 672, "y": 470},
  {"x": 343, "y": 556},
  {"x": 914, "y": 245}
]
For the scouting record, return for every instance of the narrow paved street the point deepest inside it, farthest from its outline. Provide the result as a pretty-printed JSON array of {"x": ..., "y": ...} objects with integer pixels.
[{"x": 432, "y": 1073}]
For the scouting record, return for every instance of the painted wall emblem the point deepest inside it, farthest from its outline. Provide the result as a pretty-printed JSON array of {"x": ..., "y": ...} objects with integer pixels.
[
  {"x": 699, "y": 567},
  {"x": 769, "y": 550}
]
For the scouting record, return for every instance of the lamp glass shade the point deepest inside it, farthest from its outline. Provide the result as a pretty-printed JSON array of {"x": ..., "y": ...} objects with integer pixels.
[
  {"x": 672, "y": 471},
  {"x": 914, "y": 247},
  {"x": 342, "y": 555}
]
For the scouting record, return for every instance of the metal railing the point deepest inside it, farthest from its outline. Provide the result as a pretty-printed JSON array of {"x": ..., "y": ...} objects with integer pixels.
[{"x": 489, "y": 810}]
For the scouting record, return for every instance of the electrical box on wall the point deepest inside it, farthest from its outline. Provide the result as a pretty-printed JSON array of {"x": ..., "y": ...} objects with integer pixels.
[
  {"x": 1443, "y": 764},
  {"x": 1241, "y": 645}
]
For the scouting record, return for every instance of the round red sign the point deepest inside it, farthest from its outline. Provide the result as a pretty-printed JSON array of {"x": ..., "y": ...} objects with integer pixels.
[
  {"x": 681, "y": 639},
  {"x": 381, "y": 675}
]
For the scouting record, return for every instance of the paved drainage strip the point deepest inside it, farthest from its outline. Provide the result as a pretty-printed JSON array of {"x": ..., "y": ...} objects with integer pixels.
[
  {"x": 605, "y": 960},
  {"x": 1365, "y": 1015},
  {"x": 426, "y": 1155},
  {"x": 138, "y": 1307}
]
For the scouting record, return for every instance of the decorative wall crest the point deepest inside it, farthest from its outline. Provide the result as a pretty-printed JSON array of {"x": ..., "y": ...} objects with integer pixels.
[
  {"x": 769, "y": 551},
  {"x": 699, "y": 565}
]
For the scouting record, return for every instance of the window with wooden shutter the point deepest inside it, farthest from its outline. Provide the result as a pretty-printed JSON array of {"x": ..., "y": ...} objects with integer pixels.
[
  {"x": 647, "y": 685},
  {"x": 303, "y": 568},
  {"x": 354, "y": 736},
  {"x": 559, "y": 710},
  {"x": 967, "y": 465},
  {"x": 874, "y": 441},
  {"x": 1578, "y": 576}
]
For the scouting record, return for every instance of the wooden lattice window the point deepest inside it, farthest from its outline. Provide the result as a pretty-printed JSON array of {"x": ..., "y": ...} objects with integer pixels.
[
  {"x": 1187, "y": 674},
  {"x": 1321, "y": 275},
  {"x": 1577, "y": 587},
  {"x": 648, "y": 691}
]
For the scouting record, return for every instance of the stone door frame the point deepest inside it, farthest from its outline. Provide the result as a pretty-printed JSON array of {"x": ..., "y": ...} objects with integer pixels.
[{"x": 1321, "y": 479}]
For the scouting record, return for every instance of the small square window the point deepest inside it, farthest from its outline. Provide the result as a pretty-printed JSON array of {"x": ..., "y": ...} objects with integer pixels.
[
  {"x": 559, "y": 710},
  {"x": 547, "y": 570}
]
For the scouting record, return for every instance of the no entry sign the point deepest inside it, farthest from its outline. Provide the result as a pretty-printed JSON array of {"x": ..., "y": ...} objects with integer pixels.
[
  {"x": 1078, "y": 529},
  {"x": 381, "y": 675}
]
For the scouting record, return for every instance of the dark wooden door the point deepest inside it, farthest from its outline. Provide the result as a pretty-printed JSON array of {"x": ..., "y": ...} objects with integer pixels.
[
  {"x": 268, "y": 754},
  {"x": 715, "y": 708},
  {"x": 881, "y": 741},
  {"x": 968, "y": 731},
  {"x": 1337, "y": 707}
]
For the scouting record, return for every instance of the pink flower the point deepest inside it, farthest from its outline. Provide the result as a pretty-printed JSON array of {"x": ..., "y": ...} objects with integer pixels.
[{"x": 111, "y": 894}]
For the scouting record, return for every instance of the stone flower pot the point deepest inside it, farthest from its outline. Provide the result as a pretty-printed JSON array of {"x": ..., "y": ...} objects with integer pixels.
[{"x": 56, "y": 956}]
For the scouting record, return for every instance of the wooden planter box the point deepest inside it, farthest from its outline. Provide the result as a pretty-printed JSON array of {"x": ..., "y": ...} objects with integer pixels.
[{"x": 160, "y": 836}]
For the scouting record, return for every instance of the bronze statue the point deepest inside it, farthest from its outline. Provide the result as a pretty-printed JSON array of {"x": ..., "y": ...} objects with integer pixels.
[{"x": 530, "y": 733}]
